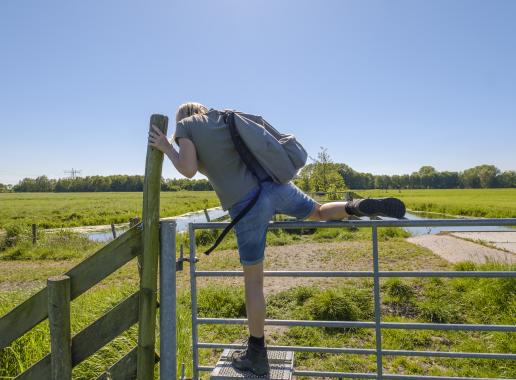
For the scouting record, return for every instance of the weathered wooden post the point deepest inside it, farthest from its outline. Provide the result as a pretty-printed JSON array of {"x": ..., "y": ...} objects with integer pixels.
[
  {"x": 113, "y": 231},
  {"x": 60, "y": 333},
  {"x": 134, "y": 221},
  {"x": 148, "y": 281},
  {"x": 34, "y": 236},
  {"x": 207, "y": 215}
]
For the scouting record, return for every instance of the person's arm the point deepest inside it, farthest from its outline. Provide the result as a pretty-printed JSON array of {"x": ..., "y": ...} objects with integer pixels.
[{"x": 185, "y": 161}]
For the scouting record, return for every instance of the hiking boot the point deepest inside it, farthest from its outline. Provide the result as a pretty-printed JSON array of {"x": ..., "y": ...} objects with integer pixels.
[
  {"x": 253, "y": 359},
  {"x": 391, "y": 207}
]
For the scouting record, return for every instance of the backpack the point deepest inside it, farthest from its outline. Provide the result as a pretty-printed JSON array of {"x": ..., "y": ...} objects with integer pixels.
[{"x": 268, "y": 154}]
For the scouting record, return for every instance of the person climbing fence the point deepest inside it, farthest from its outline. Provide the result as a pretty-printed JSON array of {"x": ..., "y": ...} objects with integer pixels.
[{"x": 252, "y": 183}]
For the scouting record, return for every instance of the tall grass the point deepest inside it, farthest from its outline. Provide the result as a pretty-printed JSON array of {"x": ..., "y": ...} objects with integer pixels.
[{"x": 59, "y": 245}]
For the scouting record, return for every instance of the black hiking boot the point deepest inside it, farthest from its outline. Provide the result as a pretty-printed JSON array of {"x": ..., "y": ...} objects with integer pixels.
[
  {"x": 391, "y": 207},
  {"x": 253, "y": 359}
]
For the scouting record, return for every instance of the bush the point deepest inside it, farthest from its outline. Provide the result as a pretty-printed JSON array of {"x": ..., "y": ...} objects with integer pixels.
[
  {"x": 398, "y": 290},
  {"x": 221, "y": 302},
  {"x": 465, "y": 266},
  {"x": 14, "y": 233},
  {"x": 388, "y": 233},
  {"x": 341, "y": 304},
  {"x": 439, "y": 311},
  {"x": 59, "y": 245},
  {"x": 205, "y": 237},
  {"x": 303, "y": 293}
]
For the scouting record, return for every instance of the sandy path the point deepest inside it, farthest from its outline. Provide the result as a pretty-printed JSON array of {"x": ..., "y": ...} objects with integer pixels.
[
  {"x": 327, "y": 256},
  {"x": 500, "y": 239},
  {"x": 456, "y": 250}
]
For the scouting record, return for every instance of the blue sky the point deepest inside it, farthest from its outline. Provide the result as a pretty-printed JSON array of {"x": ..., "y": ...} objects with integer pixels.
[{"x": 386, "y": 86}]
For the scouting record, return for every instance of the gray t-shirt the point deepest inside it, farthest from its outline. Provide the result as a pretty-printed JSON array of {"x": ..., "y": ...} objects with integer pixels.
[{"x": 217, "y": 157}]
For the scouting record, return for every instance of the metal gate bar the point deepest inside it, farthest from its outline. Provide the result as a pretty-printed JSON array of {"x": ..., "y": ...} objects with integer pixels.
[
  {"x": 376, "y": 274},
  {"x": 369, "y": 351}
]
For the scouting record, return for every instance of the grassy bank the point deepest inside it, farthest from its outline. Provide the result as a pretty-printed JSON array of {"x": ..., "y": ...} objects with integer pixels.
[
  {"x": 424, "y": 300},
  {"x": 79, "y": 209},
  {"x": 488, "y": 203},
  {"x": 60, "y": 245}
]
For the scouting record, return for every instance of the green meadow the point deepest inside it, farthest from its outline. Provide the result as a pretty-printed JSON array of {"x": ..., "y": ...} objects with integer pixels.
[
  {"x": 418, "y": 300},
  {"x": 25, "y": 268},
  {"x": 49, "y": 210},
  {"x": 487, "y": 203}
]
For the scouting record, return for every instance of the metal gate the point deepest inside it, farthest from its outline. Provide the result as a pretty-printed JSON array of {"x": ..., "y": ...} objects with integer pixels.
[{"x": 377, "y": 324}]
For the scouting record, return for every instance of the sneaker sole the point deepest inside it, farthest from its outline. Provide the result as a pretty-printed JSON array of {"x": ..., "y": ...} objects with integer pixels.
[
  {"x": 242, "y": 367},
  {"x": 390, "y": 207},
  {"x": 247, "y": 369}
]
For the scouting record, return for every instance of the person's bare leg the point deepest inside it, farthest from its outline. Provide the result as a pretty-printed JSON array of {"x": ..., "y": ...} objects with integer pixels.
[
  {"x": 254, "y": 299},
  {"x": 329, "y": 211},
  {"x": 254, "y": 357}
]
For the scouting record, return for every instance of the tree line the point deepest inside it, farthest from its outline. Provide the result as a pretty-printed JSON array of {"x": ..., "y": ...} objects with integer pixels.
[
  {"x": 320, "y": 175},
  {"x": 102, "y": 183},
  {"x": 325, "y": 175}
]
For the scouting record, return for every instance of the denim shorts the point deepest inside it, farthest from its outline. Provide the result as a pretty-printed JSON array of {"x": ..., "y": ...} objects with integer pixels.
[{"x": 251, "y": 230}]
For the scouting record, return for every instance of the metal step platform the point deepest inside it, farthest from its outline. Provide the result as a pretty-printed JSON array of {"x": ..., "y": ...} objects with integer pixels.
[{"x": 281, "y": 364}]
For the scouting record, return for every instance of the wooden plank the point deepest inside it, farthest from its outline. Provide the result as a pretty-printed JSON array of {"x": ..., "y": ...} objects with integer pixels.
[
  {"x": 23, "y": 317},
  {"x": 149, "y": 277},
  {"x": 104, "y": 329},
  {"x": 39, "y": 371},
  {"x": 107, "y": 260},
  {"x": 60, "y": 332},
  {"x": 125, "y": 368},
  {"x": 83, "y": 276},
  {"x": 93, "y": 337}
]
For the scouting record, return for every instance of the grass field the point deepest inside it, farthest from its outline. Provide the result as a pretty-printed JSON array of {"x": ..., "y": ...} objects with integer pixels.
[
  {"x": 488, "y": 203},
  {"x": 25, "y": 268},
  {"x": 49, "y": 210},
  {"x": 424, "y": 300},
  {"x": 79, "y": 209}
]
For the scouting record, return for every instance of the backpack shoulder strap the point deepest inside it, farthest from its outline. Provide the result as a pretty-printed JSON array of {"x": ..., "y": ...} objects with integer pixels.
[
  {"x": 253, "y": 166},
  {"x": 245, "y": 154}
]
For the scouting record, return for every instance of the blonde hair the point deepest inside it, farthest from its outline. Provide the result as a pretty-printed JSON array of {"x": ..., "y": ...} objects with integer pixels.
[{"x": 188, "y": 109}]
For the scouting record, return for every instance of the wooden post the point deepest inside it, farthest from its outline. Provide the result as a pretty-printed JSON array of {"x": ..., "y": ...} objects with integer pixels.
[
  {"x": 60, "y": 333},
  {"x": 113, "y": 231},
  {"x": 34, "y": 236},
  {"x": 207, "y": 215},
  {"x": 148, "y": 281}
]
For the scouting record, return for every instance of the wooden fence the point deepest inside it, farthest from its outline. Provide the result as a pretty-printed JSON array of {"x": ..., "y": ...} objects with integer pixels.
[{"x": 53, "y": 302}]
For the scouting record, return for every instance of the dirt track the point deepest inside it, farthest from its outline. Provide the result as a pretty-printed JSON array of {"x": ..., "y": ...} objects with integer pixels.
[{"x": 454, "y": 248}]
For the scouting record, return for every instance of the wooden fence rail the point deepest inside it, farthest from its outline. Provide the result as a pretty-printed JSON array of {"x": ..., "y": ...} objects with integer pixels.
[
  {"x": 83, "y": 276},
  {"x": 53, "y": 301},
  {"x": 93, "y": 337}
]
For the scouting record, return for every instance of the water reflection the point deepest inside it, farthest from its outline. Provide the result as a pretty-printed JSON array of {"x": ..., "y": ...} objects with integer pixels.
[
  {"x": 216, "y": 213},
  {"x": 416, "y": 231},
  {"x": 181, "y": 220}
]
